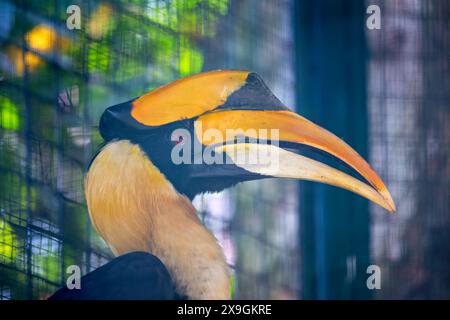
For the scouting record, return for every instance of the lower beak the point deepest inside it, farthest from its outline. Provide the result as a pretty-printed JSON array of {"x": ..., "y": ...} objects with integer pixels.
[{"x": 294, "y": 129}]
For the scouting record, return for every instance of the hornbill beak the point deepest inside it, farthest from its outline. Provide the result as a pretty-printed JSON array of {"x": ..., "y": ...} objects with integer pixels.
[
  {"x": 296, "y": 130},
  {"x": 239, "y": 102}
]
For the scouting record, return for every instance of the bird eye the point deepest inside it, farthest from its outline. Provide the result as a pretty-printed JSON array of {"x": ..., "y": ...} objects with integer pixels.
[{"x": 180, "y": 140}]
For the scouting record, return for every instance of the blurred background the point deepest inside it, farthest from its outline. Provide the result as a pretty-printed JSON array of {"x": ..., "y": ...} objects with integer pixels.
[{"x": 384, "y": 91}]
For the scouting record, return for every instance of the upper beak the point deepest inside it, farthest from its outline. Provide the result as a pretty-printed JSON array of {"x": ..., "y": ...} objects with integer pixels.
[{"x": 294, "y": 129}]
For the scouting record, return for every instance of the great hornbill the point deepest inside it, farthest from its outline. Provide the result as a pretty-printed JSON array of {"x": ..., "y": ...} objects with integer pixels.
[{"x": 138, "y": 195}]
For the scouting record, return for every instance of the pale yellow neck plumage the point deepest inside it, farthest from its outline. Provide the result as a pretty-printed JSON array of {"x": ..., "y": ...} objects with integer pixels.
[{"x": 135, "y": 208}]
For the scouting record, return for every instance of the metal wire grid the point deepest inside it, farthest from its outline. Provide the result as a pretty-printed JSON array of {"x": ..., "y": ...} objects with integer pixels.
[
  {"x": 57, "y": 95},
  {"x": 409, "y": 120}
]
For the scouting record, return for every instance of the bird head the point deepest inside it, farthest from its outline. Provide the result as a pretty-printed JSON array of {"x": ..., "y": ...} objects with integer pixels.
[{"x": 209, "y": 131}]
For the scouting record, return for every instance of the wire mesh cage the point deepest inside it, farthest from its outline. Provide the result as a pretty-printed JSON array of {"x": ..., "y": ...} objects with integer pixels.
[
  {"x": 385, "y": 91},
  {"x": 56, "y": 84}
]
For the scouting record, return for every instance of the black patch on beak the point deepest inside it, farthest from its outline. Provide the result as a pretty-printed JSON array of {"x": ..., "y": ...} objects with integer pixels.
[
  {"x": 116, "y": 122},
  {"x": 254, "y": 95}
]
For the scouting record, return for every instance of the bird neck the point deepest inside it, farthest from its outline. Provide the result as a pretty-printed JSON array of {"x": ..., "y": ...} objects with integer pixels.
[{"x": 135, "y": 208}]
